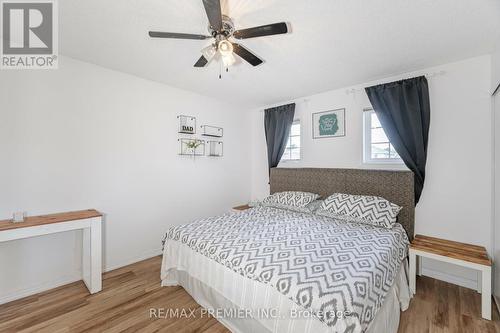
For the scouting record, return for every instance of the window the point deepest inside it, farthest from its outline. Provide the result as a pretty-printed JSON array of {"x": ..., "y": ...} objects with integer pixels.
[
  {"x": 292, "y": 150},
  {"x": 377, "y": 148}
]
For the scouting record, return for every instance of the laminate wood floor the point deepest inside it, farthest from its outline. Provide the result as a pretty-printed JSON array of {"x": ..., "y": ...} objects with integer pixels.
[{"x": 129, "y": 292}]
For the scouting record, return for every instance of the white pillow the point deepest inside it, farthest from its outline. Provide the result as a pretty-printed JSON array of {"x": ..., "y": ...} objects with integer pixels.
[{"x": 372, "y": 210}]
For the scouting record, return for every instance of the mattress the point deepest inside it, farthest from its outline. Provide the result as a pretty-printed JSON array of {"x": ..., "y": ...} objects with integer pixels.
[{"x": 239, "y": 261}]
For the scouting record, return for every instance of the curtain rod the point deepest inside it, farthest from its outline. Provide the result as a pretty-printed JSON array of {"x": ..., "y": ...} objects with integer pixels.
[
  {"x": 427, "y": 75},
  {"x": 296, "y": 101},
  {"x": 348, "y": 91}
]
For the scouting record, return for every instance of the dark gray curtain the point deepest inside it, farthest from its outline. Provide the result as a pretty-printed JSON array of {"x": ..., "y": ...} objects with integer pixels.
[
  {"x": 277, "y": 124},
  {"x": 403, "y": 109}
]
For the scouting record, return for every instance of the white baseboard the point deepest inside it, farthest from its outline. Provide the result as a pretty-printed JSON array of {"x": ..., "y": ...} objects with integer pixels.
[
  {"x": 35, "y": 289},
  {"x": 76, "y": 276},
  {"x": 129, "y": 261},
  {"x": 458, "y": 280}
]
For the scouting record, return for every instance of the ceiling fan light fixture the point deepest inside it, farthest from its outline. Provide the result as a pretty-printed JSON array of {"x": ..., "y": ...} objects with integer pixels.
[
  {"x": 225, "y": 48},
  {"x": 208, "y": 52},
  {"x": 228, "y": 60}
]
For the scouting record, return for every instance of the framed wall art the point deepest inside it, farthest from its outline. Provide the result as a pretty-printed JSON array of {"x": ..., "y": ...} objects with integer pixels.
[
  {"x": 213, "y": 131},
  {"x": 191, "y": 147},
  {"x": 187, "y": 124},
  {"x": 328, "y": 124},
  {"x": 215, "y": 148}
]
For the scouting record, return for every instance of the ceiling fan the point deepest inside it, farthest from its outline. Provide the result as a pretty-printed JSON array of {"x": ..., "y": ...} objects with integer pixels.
[{"x": 221, "y": 29}]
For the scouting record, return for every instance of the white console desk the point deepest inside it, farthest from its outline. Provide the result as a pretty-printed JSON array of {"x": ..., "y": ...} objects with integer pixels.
[{"x": 87, "y": 220}]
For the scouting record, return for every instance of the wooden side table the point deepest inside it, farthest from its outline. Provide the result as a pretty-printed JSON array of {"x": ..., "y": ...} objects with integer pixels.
[
  {"x": 89, "y": 221},
  {"x": 465, "y": 255},
  {"x": 241, "y": 208}
]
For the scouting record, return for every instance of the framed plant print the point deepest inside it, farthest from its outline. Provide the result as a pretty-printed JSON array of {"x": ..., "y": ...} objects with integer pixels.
[{"x": 328, "y": 124}]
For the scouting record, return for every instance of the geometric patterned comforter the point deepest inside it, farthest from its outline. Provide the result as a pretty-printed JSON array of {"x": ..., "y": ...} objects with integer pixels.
[{"x": 324, "y": 265}]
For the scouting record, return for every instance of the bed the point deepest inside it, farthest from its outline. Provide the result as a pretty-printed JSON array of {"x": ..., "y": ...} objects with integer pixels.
[{"x": 275, "y": 270}]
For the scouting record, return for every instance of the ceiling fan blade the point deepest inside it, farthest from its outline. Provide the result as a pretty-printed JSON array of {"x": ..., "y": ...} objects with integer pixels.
[
  {"x": 159, "y": 34},
  {"x": 248, "y": 56},
  {"x": 214, "y": 13},
  {"x": 202, "y": 62},
  {"x": 263, "y": 30}
]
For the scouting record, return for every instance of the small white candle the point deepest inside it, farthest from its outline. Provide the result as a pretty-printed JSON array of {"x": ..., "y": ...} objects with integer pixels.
[{"x": 18, "y": 216}]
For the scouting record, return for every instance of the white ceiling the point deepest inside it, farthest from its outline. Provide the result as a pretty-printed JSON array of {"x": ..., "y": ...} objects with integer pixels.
[{"x": 333, "y": 43}]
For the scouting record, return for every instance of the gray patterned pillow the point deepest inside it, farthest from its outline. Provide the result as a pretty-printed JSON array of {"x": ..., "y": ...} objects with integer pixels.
[
  {"x": 372, "y": 210},
  {"x": 290, "y": 200},
  {"x": 309, "y": 208}
]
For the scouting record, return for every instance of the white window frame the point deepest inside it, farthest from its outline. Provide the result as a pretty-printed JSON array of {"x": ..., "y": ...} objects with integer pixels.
[
  {"x": 367, "y": 144},
  {"x": 285, "y": 160}
]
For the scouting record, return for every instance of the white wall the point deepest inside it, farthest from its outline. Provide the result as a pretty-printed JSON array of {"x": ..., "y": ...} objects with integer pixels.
[
  {"x": 496, "y": 226},
  {"x": 86, "y": 137},
  {"x": 456, "y": 202},
  {"x": 495, "y": 66},
  {"x": 495, "y": 80}
]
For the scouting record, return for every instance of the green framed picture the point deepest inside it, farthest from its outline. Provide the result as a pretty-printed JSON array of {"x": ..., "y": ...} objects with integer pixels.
[{"x": 328, "y": 124}]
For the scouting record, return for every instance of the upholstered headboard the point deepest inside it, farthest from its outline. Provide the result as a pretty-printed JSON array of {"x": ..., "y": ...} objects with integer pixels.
[{"x": 395, "y": 186}]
